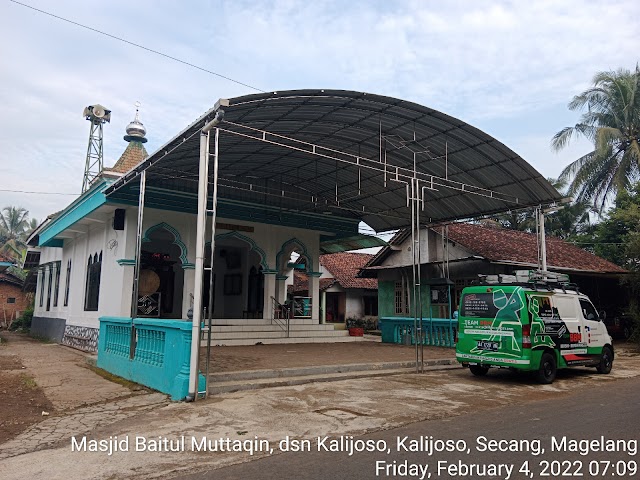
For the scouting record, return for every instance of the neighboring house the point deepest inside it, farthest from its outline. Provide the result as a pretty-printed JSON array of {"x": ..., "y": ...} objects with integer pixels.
[
  {"x": 13, "y": 300},
  {"x": 453, "y": 257},
  {"x": 344, "y": 294}
]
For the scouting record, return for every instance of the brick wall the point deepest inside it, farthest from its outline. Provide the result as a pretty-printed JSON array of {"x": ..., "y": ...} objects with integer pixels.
[{"x": 8, "y": 310}]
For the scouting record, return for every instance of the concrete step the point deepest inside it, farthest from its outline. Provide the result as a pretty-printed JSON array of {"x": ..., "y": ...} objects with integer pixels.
[
  {"x": 218, "y": 385},
  {"x": 278, "y": 334},
  {"x": 318, "y": 369},
  {"x": 281, "y": 340},
  {"x": 269, "y": 327},
  {"x": 258, "y": 321}
]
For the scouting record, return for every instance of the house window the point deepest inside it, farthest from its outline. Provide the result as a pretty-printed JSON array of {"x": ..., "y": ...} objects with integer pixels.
[
  {"x": 56, "y": 285},
  {"x": 92, "y": 292},
  {"x": 42, "y": 278},
  {"x": 50, "y": 278},
  {"x": 66, "y": 283},
  {"x": 11, "y": 300},
  {"x": 401, "y": 297},
  {"x": 370, "y": 306}
]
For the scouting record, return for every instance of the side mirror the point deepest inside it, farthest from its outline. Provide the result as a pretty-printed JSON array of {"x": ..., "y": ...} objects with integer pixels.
[{"x": 603, "y": 315}]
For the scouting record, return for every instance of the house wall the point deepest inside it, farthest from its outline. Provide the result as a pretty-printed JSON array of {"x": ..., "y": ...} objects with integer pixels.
[
  {"x": 10, "y": 311},
  {"x": 431, "y": 250},
  {"x": 355, "y": 302}
]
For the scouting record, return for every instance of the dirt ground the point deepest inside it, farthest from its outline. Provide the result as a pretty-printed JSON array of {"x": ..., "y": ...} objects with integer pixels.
[
  {"x": 253, "y": 357},
  {"x": 22, "y": 401},
  {"x": 36, "y": 376}
]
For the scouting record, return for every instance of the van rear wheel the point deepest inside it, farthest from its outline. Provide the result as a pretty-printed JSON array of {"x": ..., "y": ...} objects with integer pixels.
[
  {"x": 478, "y": 370},
  {"x": 548, "y": 368},
  {"x": 606, "y": 361}
]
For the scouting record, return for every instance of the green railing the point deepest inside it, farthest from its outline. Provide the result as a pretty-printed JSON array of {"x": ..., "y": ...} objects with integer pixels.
[
  {"x": 437, "y": 332},
  {"x": 162, "y": 353}
]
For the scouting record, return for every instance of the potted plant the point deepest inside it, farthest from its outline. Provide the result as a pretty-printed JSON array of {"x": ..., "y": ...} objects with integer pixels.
[{"x": 355, "y": 327}]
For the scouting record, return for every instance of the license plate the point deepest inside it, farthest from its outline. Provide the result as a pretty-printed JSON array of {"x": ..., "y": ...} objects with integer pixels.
[{"x": 485, "y": 345}]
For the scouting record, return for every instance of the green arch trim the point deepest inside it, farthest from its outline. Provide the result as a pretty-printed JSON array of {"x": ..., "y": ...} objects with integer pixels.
[
  {"x": 303, "y": 247},
  {"x": 252, "y": 244},
  {"x": 177, "y": 240}
]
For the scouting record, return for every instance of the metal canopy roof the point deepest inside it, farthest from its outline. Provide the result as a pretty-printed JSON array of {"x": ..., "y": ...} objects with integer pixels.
[{"x": 346, "y": 154}]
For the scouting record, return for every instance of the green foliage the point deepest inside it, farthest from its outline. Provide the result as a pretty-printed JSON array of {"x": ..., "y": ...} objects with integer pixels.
[
  {"x": 568, "y": 222},
  {"x": 612, "y": 123},
  {"x": 617, "y": 238},
  {"x": 15, "y": 228},
  {"x": 24, "y": 321}
]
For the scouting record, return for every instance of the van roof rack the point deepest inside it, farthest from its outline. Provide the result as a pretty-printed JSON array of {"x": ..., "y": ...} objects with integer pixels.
[{"x": 532, "y": 278}]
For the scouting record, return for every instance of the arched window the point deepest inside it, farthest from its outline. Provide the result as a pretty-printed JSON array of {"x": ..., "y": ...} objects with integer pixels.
[
  {"x": 92, "y": 292},
  {"x": 67, "y": 284}
]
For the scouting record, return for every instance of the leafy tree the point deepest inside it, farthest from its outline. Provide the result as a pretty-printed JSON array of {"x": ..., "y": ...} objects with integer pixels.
[
  {"x": 612, "y": 122},
  {"x": 571, "y": 220},
  {"x": 15, "y": 227},
  {"x": 14, "y": 222}
]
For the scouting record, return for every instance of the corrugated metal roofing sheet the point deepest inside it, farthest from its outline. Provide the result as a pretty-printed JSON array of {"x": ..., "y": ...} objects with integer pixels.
[{"x": 350, "y": 123}]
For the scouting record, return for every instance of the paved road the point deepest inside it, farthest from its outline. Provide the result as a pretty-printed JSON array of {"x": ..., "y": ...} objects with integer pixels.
[{"x": 610, "y": 410}]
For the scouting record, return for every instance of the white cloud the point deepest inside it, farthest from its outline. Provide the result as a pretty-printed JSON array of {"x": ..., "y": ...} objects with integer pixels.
[{"x": 486, "y": 63}]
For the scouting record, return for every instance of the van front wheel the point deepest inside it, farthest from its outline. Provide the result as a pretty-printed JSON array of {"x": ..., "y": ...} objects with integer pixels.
[
  {"x": 478, "y": 370},
  {"x": 606, "y": 361},
  {"x": 547, "y": 369}
]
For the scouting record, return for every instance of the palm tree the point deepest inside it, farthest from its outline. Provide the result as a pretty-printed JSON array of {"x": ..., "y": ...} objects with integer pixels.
[
  {"x": 612, "y": 123},
  {"x": 14, "y": 222}
]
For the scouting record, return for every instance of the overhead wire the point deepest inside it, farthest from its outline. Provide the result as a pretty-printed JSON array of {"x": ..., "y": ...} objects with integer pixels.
[
  {"x": 124, "y": 40},
  {"x": 38, "y": 193}
]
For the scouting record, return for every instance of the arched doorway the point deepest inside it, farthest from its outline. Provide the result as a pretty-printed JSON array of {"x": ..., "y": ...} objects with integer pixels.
[
  {"x": 238, "y": 278},
  {"x": 161, "y": 273},
  {"x": 294, "y": 263}
]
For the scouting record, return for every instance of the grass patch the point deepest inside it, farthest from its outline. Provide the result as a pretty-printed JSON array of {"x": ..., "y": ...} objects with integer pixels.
[
  {"x": 116, "y": 379},
  {"x": 28, "y": 382}
]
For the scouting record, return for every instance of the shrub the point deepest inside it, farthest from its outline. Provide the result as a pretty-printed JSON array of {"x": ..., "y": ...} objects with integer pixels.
[{"x": 24, "y": 321}]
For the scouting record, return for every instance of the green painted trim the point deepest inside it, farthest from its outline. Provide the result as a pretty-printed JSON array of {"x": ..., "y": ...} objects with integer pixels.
[
  {"x": 177, "y": 239},
  {"x": 269, "y": 272},
  {"x": 79, "y": 208},
  {"x": 281, "y": 277},
  {"x": 188, "y": 266},
  {"x": 315, "y": 274},
  {"x": 285, "y": 246},
  {"x": 126, "y": 261},
  {"x": 186, "y": 202}
]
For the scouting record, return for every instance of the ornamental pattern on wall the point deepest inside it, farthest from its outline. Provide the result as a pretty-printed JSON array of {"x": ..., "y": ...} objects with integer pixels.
[{"x": 82, "y": 338}]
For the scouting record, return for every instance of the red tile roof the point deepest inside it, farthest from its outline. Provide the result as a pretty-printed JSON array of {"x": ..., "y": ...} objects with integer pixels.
[
  {"x": 132, "y": 156},
  {"x": 345, "y": 266},
  {"x": 301, "y": 282},
  {"x": 10, "y": 278},
  {"x": 501, "y": 244}
]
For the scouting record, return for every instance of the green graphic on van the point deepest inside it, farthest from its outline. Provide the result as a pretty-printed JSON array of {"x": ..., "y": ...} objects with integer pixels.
[
  {"x": 540, "y": 309},
  {"x": 505, "y": 325}
]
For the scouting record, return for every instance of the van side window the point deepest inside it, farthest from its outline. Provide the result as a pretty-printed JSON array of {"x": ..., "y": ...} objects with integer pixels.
[{"x": 588, "y": 310}]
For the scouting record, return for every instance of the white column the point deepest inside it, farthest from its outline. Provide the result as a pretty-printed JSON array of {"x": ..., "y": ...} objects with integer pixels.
[
  {"x": 281, "y": 288},
  {"x": 323, "y": 316},
  {"x": 269, "y": 291},
  {"x": 188, "y": 288},
  {"x": 314, "y": 293}
]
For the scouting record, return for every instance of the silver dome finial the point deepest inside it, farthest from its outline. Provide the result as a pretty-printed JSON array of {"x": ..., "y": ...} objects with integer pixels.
[{"x": 136, "y": 130}]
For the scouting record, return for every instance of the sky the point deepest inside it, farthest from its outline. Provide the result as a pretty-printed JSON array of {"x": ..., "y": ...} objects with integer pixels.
[{"x": 507, "y": 67}]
